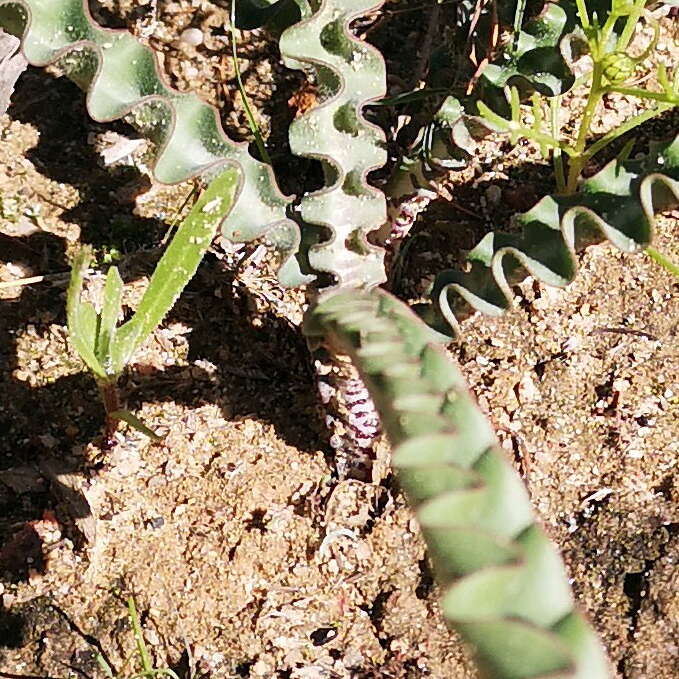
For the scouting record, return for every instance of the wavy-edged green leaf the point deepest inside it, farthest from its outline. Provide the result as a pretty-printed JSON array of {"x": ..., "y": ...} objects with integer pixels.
[
  {"x": 123, "y": 79},
  {"x": 616, "y": 204},
  {"x": 534, "y": 55},
  {"x": 176, "y": 267},
  {"x": 504, "y": 586},
  {"x": 349, "y": 73}
]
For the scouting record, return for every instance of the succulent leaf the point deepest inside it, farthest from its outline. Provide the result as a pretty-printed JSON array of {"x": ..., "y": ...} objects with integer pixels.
[
  {"x": 349, "y": 73},
  {"x": 123, "y": 79},
  {"x": 616, "y": 204},
  {"x": 251, "y": 14},
  {"x": 535, "y": 55},
  {"x": 504, "y": 586},
  {"x": 534, "y": 60}
]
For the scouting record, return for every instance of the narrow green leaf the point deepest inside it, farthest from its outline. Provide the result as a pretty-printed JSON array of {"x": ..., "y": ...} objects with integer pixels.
[
  {"x": 113, "y": 291},
  {"x": 134, "y": 421},
  {"x": 177, "y": 265},
  {"x": 104, "y": 666},
  {"x": 81, "y": 317}
]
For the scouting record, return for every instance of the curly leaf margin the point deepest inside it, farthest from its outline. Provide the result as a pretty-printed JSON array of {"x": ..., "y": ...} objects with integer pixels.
[
  {"x": 534, "y": 60},
  {"x": 505, "y": 588},
  {"x": 349, "y": 73},
  {"x": 617, "y": 204},
  {"x": 123, "y": 79}
]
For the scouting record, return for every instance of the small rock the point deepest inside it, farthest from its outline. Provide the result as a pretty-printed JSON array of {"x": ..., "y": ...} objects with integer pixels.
[
  {"x": 261, "y": 669},
  {"x": 192, "y": 36},
  {"x": 527, "y": 391}
]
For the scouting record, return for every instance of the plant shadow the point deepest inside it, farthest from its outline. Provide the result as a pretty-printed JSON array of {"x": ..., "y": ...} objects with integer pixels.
[{"x": 65, "y": 153}]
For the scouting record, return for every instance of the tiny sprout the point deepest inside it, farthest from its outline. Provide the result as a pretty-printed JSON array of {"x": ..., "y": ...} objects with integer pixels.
[{"x": 106, "y": 348}]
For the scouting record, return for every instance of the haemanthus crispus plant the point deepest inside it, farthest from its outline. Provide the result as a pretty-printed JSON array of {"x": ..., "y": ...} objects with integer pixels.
[{"x": 504, "y": 586}]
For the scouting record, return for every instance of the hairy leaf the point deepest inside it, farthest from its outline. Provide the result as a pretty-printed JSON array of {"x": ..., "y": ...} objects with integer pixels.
[
  {"x": 349, "y": 73},
  {"x": 618, "y": 204},
  {"x": 81, "y": 316},
  {"x": 176, "y": 267},
  {"x": 123, "y": 79},
  {"x": 504, "y": 586},
  {"x": 106, "y": 333}
]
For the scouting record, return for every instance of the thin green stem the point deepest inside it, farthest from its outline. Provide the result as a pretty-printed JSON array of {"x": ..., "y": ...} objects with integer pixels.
[
  {"x": 623, "y": 129},
  {"x": 178, "y": 214},
  {"x": 578, "y": 150},
  {"x": 604, "y": 36},
  {"x": 644, "y": 94},
  {"x": 144, "y": 656},
  {"x": 241, "y": 88},
  {"x": 518, "y": 19},
  {"x": 630, "y": 25},
  {"x": 582, "y": 13},
  {"x": 665, "y": 262},
  {"x": 590, "y": 109},
  {"x": 516, "y": 130},
  {"x": 557, "y": 159}
]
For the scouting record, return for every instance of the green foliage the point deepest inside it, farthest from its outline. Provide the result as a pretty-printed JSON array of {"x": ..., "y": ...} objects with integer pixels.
[
  {"x": 251, "y": 14},
  {"x": 123, "y": 79},
  {"x": 531, "y": 60},
  {"x": 106, "y": 348},
  {"x": 606, "y": 37},
  {"x": 533, "y": 56},
  {"x": 618, "y": 203},
  {"x": 504, "y": 587},
  {"x": 536, "y": 64},
  {"x": 349, "y": 73}
]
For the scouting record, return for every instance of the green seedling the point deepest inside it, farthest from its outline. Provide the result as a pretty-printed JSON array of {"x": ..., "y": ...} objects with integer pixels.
[
  {"x": 147, "y": 670},
  {"x": 104, "y": 346}
]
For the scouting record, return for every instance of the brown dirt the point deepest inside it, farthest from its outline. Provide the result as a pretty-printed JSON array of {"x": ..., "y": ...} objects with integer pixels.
[{"x": 243, "y": 558}]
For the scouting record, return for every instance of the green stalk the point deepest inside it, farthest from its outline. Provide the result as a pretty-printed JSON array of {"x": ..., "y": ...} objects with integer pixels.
[
  {"x": 644, "y": 94},
  {"x": 623, "y": 129},
  {"x": 582, "y": 13},
  {"x": 578, "y": 150},
  {"x": 516, "y": 130},
  {"x": 630, "y": 25},
  {"x": 146, "y": 664},
  {"x": 557, "y": 159},
  {"x": 254, "y": 128},
  {"x": 665, "y": 262}
]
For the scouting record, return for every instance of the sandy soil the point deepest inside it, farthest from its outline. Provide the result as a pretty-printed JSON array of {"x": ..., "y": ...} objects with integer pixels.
[{"x": 243, "y": 555}]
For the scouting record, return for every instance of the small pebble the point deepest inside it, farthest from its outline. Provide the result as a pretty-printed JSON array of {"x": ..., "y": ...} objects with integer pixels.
[{"x": 192, "y": 36}]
